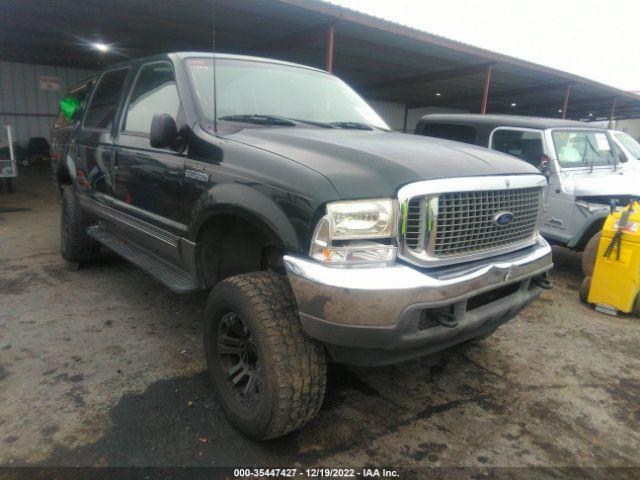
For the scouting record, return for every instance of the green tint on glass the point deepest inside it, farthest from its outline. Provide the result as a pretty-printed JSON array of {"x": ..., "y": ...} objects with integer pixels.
[{"x": 69, "y": 106}]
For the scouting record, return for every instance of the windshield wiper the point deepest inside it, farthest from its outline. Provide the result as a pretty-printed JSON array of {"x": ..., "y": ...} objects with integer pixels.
[
  {"x": 260, "y": 120},
  {"x": 352, "y": 125}
]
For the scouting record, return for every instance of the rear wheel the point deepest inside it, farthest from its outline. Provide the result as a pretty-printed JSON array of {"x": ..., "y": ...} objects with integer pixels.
[
  {"x": 269, "y": 378},
  {"x": 75, "y": 245},
  {"x": 589, "y": 255}
]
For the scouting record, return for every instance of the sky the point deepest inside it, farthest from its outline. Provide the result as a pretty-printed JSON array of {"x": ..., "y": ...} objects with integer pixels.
[{"x": 596, "y": 39}]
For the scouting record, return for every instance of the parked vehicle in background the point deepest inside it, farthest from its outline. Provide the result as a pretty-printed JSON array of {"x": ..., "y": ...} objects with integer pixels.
[
  {"x": 320, "y": 232},
  {"x": 629, "y": 146},
  {"x": 8, "y": 166},
  {"x": 585, "y": 167},
  {"x": 37, "y": 151}
]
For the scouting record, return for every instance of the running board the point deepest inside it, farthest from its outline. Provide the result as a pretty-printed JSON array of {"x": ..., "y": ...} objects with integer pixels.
[{"x": 176, "y": 279}]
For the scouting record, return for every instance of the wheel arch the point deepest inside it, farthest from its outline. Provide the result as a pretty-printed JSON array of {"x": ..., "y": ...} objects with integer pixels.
[
  {"x": 233, "y": 237},
  {"x": 591, "y": 226},
  {"x": 248, "y": 204}
]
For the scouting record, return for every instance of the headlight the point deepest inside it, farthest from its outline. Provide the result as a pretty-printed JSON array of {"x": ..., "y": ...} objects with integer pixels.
[
  {"x": 359, "y": 220},
  {"x": 362, "y": 219}
]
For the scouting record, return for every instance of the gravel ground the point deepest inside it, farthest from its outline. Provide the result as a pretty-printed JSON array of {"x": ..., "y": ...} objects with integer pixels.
[{"x": 104, "y": 366}]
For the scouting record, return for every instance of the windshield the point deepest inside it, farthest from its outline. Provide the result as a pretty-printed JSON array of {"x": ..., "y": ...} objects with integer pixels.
[
  {"x": 582, "y": 148},
  {"x": 629, "y": 143},
  {"x": 250, "y": 88}
]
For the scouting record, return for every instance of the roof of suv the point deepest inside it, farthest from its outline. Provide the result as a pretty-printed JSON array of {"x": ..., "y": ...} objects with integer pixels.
[
  {"x": 185, "y": 55},
  {"x": 505, "y": 120}
]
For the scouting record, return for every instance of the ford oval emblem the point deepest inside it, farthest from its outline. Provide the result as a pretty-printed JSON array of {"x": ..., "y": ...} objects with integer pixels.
[{"x": 503, "y": 218}]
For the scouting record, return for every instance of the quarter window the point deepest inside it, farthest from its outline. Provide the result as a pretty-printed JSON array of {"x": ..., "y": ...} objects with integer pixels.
[
  {"x": 449, "y": 131},
  {"x": 154, "y": 92},
  {"x": 523, "y": 144},
  {"x": 104, "y": 103},
  {"x": 80, "y": 93}
]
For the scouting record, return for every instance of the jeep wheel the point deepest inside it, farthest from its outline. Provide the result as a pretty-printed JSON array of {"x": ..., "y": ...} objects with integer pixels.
[
  {"x": 589, "y": 255},
  {"x": 636, "y": 306},
  {"x": 75, "y": 245},
  {"x": 268, "y": 376},
  {"x": 585, "y": 286}
]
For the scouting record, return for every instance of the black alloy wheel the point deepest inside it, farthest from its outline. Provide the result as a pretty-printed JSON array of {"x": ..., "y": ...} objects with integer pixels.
[{"x": 239, "y": 359}]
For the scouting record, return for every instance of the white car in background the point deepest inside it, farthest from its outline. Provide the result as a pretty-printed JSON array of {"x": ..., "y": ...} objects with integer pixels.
[{"x": 629, "y": 146}]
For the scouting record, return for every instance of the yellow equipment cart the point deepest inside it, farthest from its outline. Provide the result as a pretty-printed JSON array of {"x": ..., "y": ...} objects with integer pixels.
[{"x": 615, "y": 284}]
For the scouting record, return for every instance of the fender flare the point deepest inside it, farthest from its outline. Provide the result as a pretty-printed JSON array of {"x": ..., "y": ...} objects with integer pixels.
[
  {"x": 247, "y": 203},
  {"x": 587, "y": 230}
]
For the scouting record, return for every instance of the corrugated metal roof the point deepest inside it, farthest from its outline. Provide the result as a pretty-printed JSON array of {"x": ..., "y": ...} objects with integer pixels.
[{"x": 375, "y": 55}]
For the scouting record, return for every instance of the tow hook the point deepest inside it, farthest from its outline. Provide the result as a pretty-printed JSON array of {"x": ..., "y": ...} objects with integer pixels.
[
  {"x": 447, "y": 319},
  {"x": 543, "y": 281}
]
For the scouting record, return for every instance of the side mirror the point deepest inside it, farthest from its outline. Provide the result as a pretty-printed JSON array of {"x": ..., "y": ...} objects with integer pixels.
[
  {"x": 622, "y": 158},
  {"x": 163, "y": 131},
  {"x": 544, "y": 165}
]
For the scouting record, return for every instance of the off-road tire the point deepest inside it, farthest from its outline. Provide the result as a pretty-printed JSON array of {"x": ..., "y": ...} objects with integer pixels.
[
  {"x": 589, "y": 255},
  {"x": 294, "y": 367},
  {"x": 75, "y": 245},
  {"x": 585, "y": 286},
  {"x": 636, "y": 306}
]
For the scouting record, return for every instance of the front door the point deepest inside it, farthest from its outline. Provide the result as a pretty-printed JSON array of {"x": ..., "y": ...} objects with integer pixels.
[{"x": 148, "y": 181}]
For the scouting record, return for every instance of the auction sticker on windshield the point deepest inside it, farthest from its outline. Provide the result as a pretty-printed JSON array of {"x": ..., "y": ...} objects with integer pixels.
[{"x": 603, "y": 143}]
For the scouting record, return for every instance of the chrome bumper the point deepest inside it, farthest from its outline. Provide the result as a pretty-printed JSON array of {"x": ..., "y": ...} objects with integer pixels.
[{"x": 382, "y": 298}]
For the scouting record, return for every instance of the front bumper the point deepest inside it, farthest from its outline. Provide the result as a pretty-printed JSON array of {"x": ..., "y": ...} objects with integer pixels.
[{"x": 381, "y": 315}]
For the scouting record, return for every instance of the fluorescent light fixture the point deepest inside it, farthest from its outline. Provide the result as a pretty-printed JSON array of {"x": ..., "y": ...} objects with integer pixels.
[
  {"x": 438, "y": 94},
  {"x": 514, "y": 104},
  {"x": 101, "y": 47}
]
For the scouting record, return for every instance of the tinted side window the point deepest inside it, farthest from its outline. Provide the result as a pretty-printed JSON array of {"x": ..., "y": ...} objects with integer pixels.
[
  {"x": 522, "y": 144},
  {"x": 80, "y": 93},
  {"x": 448, "y": 131},
  {"x": 154, "y": 92},
  {"x": 104, "y": 103}
]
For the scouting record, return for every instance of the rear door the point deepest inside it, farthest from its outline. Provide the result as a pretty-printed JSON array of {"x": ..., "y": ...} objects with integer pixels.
[
  {"x": 148, "y": 181},
  {"x": 96, "y": 135}
]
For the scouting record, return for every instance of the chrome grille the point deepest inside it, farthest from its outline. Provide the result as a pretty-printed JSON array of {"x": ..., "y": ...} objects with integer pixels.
[
  {"x": 413, "y": 230},
  {"x": 465, "y": 221}
]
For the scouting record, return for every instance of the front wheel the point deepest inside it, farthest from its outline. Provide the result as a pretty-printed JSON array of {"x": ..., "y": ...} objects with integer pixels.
[
  {"x": 585, "y": 286},
  {"x": 269, "y": 378},
  {"x": 589, "y": 255},
  {"x": 636, "y": 306}
]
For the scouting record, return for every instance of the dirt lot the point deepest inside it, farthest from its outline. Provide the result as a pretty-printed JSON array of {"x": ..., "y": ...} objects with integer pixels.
[{"x": 103, "y": 366}]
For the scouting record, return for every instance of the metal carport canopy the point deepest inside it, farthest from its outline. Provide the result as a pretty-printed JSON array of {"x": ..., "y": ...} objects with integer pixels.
[{"x": 381, "y": 59}]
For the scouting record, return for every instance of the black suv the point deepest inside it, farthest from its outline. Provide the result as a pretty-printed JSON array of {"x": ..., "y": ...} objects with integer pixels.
[{"x": 320, "y": 232}]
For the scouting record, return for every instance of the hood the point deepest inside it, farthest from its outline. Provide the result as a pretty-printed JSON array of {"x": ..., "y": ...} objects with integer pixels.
[
  {"x": 364, "y": 164},
  {"x": 598, "y": 184}
]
